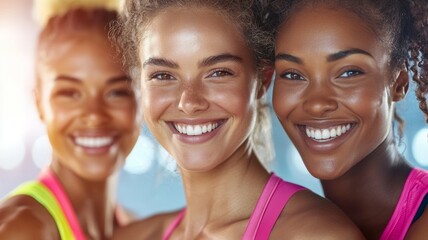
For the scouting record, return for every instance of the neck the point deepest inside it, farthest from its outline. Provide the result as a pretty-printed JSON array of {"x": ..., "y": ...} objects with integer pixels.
[
  {"x": 218, "y": 197},
  {"x": 369, "y": 192},
  {"x": 92, "y": 201}
]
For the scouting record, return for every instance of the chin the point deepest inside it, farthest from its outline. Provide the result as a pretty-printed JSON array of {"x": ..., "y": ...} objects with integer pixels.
[{"x": 326, "y": 171}]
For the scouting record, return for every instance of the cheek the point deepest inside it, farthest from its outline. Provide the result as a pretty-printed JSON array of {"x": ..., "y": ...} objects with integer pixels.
[
  {"x": 370, "y": 103},
  {"x": 283, "y": 101},
  {"x": 155, "y": 102}
]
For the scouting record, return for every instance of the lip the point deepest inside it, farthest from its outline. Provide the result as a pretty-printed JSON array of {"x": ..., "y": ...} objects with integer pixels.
[
  {"x": 325, "y": 144},
  {"x": 195, "y": 139}
]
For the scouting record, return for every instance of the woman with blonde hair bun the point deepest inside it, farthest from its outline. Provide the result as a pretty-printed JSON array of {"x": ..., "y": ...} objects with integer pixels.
[{"x": 89, "y": 107}]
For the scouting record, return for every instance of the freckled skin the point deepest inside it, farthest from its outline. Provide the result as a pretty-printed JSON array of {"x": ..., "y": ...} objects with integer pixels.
[
  {"x": 362, "y": 171},
  {"x": 222, "y": 176}
]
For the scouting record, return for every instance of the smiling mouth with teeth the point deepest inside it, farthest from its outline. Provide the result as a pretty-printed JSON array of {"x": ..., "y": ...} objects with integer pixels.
[
  {"x": 196, "y": 129},
  {"x": 93, "y": 142},
  {"x": 327, "y": 134}
]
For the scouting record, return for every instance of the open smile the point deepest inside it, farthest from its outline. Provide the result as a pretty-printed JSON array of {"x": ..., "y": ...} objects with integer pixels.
[
  {"x": 93, "y": 142},
  {"x": 327, "y": 134},
  {"x": 196, "y": 129}
]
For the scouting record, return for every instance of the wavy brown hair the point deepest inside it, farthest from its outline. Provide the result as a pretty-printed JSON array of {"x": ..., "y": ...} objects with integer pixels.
[{"x": 246, "y": 15}]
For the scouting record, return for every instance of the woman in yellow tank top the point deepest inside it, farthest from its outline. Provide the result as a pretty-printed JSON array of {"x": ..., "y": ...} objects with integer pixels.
[{"x": 89, "y": 107}]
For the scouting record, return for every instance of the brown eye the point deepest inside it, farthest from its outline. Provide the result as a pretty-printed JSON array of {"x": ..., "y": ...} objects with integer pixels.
[
  {"x": 220, "y": 73},
  {"x": 68, "y": 93},
  {"x": 162, "y": 76},
  {"x": 120, "y": 93},
  {"x": 292, "y": 76}
]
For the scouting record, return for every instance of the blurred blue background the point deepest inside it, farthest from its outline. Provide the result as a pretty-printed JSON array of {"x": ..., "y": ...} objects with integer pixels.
[{"x": 148, "y": 182}]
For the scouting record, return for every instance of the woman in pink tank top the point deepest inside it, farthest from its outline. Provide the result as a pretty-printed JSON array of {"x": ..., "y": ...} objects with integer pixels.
[
  {"x": 89, "y": 108},
  {"x": 341, "y": 66},
  {"x": 203, "y": 74}
]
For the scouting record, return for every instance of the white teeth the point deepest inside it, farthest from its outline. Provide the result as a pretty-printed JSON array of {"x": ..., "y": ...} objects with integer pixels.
[
  {"x": 195, "y": 130},
  {"x": 93, "y": 142},
  {"x": 324, "y": 134}
]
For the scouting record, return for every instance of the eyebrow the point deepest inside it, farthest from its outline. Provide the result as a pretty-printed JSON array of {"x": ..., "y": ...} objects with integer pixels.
[
  {"x": 225, "y": 57},
  {"x": 330, "y": 58},
  {"x": 67, "y": 78},
  {"x": 162, "y": 62},
  {"x": 123, "y": 78},
  {"x": 288, "y": 57},
  {"x": 345, "y": 53}
]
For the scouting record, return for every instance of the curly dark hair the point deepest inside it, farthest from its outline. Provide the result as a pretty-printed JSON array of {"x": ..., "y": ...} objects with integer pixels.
[{"x": 402, "y": 24}]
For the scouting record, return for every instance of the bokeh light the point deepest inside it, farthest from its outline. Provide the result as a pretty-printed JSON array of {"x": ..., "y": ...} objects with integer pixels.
[
  {"x": 142, "y": 156},
  {"x": 419, "y": 147},
  {"x": 42, "y": 152}
]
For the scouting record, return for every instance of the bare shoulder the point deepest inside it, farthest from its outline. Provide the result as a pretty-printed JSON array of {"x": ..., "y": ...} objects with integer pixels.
[
  {"x": 419, "y": 229},
  {"x": 309, "y": 216},
  {"x": 21, "y": 217},
  {"x": 149, "y": 228}
]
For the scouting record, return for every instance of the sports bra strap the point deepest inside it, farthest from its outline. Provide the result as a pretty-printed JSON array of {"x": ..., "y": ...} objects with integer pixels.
[
  {"x": 45, "y": 197},
  {"x": 173, "y": 225},
  {"x": 269, "y": 207}
]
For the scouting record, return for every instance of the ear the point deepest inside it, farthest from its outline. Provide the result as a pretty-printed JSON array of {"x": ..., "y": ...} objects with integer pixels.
[
  {"x": 38, "y": 100},
  {"x": 267, "y": 75},
  {"x": 400, "y": 86}
]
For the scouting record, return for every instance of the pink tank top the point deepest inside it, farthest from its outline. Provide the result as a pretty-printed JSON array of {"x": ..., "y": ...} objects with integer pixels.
[
  {"x": 414, "y": 191},
  {"x": 269, "y": 207}
]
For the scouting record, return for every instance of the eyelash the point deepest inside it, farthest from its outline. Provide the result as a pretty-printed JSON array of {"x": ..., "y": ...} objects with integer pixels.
[
  {"x": 68, "y": 93},
  {"x": 156, "y": 76},
  {"x": 291, "y": 73},
  {"x": 224, "y": 72},
  {"x": 355, "y": 72}
]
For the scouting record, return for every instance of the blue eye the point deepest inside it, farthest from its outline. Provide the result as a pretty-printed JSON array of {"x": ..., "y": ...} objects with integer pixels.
[
  {"x": 292, "y": 76},
  {"x": 350, "y": 73},
  {"x": 162, "y": 76}
]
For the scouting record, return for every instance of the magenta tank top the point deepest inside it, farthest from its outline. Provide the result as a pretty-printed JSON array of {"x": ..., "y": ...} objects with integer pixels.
[
  {"x": 269, "y": 207},
  {"x": 414, "y": 191}
]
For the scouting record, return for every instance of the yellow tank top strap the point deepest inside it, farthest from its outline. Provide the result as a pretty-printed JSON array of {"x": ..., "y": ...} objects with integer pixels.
[{"x": 45, "y": 197}]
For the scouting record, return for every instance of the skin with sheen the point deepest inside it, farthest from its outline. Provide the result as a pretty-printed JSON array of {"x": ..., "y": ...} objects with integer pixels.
[
  {"x": 200, "y": 102},
  {"x": 89, "y": 108},
  {"x": 337, "y": 80}
]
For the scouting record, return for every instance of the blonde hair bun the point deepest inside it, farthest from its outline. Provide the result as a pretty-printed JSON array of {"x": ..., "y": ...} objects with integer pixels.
[{"x": 43, "y": 10}]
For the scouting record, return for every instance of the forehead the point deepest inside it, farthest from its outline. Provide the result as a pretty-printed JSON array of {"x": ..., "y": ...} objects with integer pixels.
[
  {"x": 180, "y": 30},
  {"x": 83, "y": 55},
  {"x": 325, "y": 26}
]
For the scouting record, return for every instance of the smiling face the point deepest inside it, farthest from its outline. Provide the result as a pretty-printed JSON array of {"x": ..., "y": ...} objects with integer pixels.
[
  {"x": 198, "y": 86},
  {"x": 87, "y": 104},
  {"x": 332, "y": 89}
]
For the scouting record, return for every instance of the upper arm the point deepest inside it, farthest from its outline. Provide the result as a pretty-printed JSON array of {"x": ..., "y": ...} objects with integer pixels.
[
  {"x": 308, "y": 216},
  {"x": 21, "y": 223},
  {"x": 23, "y": 218},
  {"x": 419, "y": 229}
]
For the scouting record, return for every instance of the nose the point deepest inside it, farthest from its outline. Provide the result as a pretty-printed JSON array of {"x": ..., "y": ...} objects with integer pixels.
[
  {"x": 192, "y": 101},
  {"x": 319, "y": 101},
  {"x": 95, "y": 112}
]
